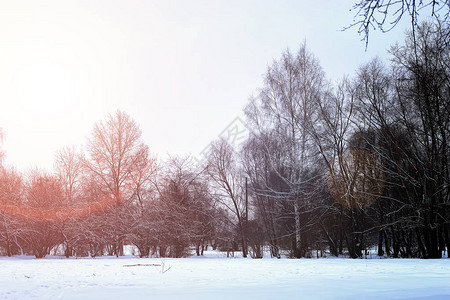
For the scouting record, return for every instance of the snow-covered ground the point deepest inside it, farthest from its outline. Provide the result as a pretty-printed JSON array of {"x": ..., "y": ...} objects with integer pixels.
[{"x": 217, "y": 277}]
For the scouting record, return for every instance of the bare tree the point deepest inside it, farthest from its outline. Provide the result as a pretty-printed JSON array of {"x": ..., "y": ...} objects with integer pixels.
[
  {"x": 185, "y": 208},
  {"x": 422, "y": 85},
  {"x": 386, "y": 14},
  {"x": 143, "y": 209},
  {"x": 44, "y": 197},
  {"x": 115, "y": 153},
  {"x": 404, "y": 120},
  {"x": 379, "y": 132},
  {"x": 69, "y": 168},
  {"x": 224, "y": 171},
  {"x": 256, "y": 161},
  {"x": 115, "y": 150},
  {"x": 11, "y": 199},
  {"x": 284, "y": 108}
]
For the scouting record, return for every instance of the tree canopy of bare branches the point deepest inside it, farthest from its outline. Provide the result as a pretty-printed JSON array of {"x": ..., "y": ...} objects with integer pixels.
[{"x": 386, "y": 14}]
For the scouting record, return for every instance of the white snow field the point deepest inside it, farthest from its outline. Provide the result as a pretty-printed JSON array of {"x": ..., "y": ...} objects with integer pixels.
[{"x": 214, "y": 277}]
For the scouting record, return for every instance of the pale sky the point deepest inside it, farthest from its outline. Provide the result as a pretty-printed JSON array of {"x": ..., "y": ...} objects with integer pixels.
[{"x": 183, "y": 70}]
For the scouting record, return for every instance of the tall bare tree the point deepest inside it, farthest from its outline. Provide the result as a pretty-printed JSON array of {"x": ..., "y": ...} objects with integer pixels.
[
  {"x": 264, "y": 186},
  {"x": 115, "y": 151},
  {"x": 284, "y": 108},
  {"x": 69, "y": 170},
  {"x": 422, "y": 83},
  {"x": 223, "y": 168},
  {"x": 404, "y": 119}
]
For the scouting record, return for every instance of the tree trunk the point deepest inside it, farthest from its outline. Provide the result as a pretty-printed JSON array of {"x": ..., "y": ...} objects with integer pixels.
[
  {"x": 244, "y": 247},
  {"x": 420, "y": 244},
  {"x": 68, "y": 251},
  {"x": 8, "y": 247},
  {"x": 387, "y": 243},
  {"x": 447, "y": 238},
  {"x": 350, "y": 247},
  {"x": 162, "y": 251},
  {"x": 331, "y": 243},
  {"x": 380, "y": 243},
  {"x": 197, "y": 249},
  {"x": 441, "y": 241},
  {"x": 298, "y": 244}
]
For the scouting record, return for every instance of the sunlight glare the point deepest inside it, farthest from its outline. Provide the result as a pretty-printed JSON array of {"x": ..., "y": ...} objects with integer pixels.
[{"x": 46, "y": 89}]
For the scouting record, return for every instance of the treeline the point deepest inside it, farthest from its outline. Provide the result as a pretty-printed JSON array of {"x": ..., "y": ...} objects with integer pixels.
[
  {"x": 110, "y": 195},
  {"x": 327, "y": 167},
  {"x": 359, "y": 163}
]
